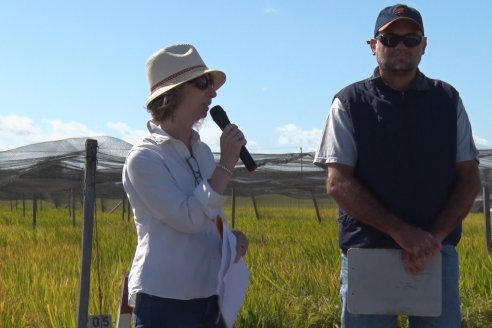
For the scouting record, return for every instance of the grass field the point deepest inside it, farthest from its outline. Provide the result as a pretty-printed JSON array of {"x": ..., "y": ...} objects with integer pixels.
[{"x": 293, "y": 261}]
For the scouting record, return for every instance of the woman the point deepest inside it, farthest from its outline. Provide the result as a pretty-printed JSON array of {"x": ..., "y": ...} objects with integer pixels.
[{"x": 175, "y": 189}]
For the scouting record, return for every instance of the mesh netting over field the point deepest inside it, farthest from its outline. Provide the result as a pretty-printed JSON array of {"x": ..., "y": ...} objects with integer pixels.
[{"x": 51, "y": 169}]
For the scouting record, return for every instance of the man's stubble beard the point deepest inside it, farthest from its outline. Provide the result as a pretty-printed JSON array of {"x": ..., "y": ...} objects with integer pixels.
[{"x": 397, "y": 67}]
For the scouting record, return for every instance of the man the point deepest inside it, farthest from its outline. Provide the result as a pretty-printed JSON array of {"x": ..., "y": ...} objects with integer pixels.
[{"x": 401, "y": 163}]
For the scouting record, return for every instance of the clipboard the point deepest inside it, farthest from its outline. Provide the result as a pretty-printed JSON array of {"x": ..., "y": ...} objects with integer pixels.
[{"x": 379, "y": 284}]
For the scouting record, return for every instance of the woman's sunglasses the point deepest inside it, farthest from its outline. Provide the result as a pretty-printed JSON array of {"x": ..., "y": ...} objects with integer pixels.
[
  {"x": 391, "y": 40},
  {"x": 203, "y": 82}
]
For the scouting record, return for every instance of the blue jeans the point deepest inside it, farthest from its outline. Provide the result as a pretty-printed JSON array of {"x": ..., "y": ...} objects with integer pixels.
[
  {"x": 152, "y": 311},
  {"x": 450, "y": 316}
]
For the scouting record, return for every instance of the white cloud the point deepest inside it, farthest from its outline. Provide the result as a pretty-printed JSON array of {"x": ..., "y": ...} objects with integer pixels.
[
  {"x": 16, "y": 131},
  {"x": 60, "y": 130},
  {"x": 481, "y": 142},
  {"x": 210, "y": 134},
  {"x": 293, "y": 135},
  {"x": 289, "y": 135},
  {"x": 123, "y": 131},
  {"x": 16, "y": 125}
]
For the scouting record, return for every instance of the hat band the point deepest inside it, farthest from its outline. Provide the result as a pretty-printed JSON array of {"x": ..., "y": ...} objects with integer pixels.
[{"x": 167, "y": 79}]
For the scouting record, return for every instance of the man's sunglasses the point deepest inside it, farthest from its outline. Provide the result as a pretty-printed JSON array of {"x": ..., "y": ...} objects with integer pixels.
[
  {"x": 203, "y": 82},
  {"x": 391, "y": 40}
]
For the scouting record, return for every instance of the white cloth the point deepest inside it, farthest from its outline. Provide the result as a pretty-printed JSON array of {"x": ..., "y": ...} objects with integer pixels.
[
  {"x": 233, "y": 279},
  {"x": 178, "y": 253}
]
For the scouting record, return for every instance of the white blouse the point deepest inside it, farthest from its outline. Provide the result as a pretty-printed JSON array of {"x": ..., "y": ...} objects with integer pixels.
[{"x": 179, "y": 248}]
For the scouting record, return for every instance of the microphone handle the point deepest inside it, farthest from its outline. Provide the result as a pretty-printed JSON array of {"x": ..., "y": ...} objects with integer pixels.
[
  {"x": 248, "y": 161},
  {"x": 220, "y": 117}
]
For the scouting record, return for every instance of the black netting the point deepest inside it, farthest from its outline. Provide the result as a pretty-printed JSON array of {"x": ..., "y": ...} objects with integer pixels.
[{"x": 52, "y": 170}]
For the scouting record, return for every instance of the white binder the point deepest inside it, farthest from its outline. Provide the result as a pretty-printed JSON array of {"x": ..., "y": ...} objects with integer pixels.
[{"x": 379, "y": 284}]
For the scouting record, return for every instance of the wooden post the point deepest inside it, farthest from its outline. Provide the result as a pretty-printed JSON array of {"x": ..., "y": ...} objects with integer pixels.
[
  {"x": 87, "y": 231},
  {"x": 24, "y": 206},
  {"x": 34, "y": 210},
  {"x": 256, "y": 208},
  {"x": 233, "y": 214},
  {"x": 316, "y": 206},
  {"x": 486, "y": 212}
]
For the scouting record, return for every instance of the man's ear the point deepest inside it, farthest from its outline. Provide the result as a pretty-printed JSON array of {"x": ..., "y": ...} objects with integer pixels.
[
  {"x": 372, "y": 45},
  {"x": 424, "y": 44}
]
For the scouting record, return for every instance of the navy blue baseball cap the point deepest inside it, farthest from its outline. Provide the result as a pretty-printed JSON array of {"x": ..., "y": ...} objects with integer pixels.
[{"x": 391, "y": 14}]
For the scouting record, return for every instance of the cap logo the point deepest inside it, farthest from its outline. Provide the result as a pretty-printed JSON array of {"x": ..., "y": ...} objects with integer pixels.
[{"x": 400, "y": 11}]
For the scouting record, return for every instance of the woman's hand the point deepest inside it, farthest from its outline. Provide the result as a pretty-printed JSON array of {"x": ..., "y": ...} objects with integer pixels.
[
  {"x": 241, "y": 244},
  {"x": 231, "y": 141}
]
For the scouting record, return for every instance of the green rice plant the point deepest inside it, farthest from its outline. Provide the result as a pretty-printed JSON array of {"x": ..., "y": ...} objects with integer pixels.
[
  {"x": 475, "y": 274},
  {"x": 293, "y": 261},
  {"x": 40, "y": 268},
  {"x": 294, "y": 264}
]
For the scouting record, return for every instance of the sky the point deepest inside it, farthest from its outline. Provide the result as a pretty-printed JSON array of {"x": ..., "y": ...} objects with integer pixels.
[{"x": 77, "y": 68}]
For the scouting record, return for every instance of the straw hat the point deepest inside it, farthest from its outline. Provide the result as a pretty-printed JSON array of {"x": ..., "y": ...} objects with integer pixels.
[{"x": 174, "y": 65}]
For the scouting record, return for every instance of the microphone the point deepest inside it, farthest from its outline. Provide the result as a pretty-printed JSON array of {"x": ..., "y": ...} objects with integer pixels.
[{"x": 220, "y": 117}]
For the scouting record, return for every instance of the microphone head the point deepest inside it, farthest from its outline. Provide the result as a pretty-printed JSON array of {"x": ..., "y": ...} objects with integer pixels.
[{"x": 219, "y": 116}]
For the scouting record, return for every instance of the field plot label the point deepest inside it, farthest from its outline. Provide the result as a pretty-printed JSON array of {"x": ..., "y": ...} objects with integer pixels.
[{"x": 100, "y": 321}]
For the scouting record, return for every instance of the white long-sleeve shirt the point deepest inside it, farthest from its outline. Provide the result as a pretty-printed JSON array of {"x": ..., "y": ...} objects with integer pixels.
[{"x": 179, "y": 248}]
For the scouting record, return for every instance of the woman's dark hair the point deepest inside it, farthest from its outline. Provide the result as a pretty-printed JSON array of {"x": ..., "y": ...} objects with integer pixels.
[{"x": 163, "y": 107}]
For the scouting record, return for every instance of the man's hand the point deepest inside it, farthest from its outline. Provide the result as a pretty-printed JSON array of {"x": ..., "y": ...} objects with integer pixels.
[
  {"x": 414, "y": 264},
  {"x": 418, "y": 245}
]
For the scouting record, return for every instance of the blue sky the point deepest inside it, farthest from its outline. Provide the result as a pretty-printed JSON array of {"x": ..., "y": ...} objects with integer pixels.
[{"x": 77, "y": 69}]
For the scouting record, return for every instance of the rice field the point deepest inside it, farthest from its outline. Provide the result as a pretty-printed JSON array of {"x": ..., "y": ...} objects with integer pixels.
[{"x": 293, "y": 261}]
